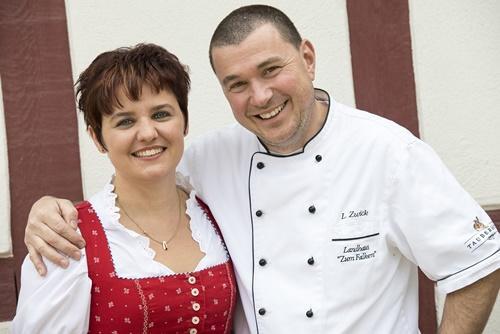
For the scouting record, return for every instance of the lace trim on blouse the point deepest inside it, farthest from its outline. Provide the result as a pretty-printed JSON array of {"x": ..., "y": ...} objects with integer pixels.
[{"x": 132, "y": 249}]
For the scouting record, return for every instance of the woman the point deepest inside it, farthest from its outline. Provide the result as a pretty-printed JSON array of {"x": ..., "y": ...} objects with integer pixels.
[{"x": 155, "y": 262}]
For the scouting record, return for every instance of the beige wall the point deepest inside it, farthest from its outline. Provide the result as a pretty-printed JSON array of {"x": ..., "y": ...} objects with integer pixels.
[
  {"x": 456, "y": 61},
  {"x": 4, "y": 327},
  {"x": 456, "y": 54}
]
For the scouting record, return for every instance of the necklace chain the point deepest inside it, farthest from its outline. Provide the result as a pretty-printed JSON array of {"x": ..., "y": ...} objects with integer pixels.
[{"x": 163, "y": 243}]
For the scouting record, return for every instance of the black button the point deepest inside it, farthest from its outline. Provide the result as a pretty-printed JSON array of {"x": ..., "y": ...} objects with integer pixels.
[
  {"x": 262, "y": 262},
  {"x": 309, "y": 313},
  {"x": 319, "y": 158},
  {"x": 310, "y": 260},
  {"x": 258, "y": 213},
  {"x": 312, "y": 209},
  {"x": 262, "y": 311},
  {"x": 260, "y": 165}
]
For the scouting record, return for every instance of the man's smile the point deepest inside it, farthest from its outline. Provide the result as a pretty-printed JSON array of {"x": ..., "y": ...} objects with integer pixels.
[{"x": 273, "y": 112}]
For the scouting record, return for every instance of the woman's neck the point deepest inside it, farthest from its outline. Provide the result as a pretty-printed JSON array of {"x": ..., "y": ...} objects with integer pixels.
[{"x": 149, "y": 197}]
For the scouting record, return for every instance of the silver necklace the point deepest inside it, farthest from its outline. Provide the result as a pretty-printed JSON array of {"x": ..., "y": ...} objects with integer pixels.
[{"x": 163, "y": 243}]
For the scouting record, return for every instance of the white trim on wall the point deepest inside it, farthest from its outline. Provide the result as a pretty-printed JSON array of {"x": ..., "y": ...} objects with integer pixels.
[{"x": 5, "y": 235}]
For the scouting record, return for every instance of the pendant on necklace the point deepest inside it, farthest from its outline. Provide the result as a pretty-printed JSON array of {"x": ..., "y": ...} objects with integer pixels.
[{"x": 164, "y": 244}]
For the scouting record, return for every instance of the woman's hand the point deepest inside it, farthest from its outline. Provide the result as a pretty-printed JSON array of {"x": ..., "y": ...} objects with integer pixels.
[{"x": 51, "y": 233}]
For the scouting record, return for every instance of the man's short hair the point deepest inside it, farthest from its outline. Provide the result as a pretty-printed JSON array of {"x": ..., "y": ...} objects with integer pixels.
[
  {"x": 129, "y": 68},
  {"x": 241, "y": 22}
]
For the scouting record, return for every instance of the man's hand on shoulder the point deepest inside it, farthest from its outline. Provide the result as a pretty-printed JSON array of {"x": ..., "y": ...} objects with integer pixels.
[{"x": 51, "y": 233}]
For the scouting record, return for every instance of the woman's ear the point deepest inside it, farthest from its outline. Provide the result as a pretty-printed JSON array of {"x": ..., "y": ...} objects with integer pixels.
[{"x": 93, "y": 135}]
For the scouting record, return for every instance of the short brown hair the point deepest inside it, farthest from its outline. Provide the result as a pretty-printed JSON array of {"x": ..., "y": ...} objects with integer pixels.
[
  {"x": 241, "y": 22},
  {"x": 129, "y": 68}
]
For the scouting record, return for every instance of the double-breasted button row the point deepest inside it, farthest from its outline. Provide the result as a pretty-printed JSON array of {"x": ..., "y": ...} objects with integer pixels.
[
  {"x": 309, "y": 313},
  {"x": 263, "y": 262},
  {"x": 311, "y": 209},
  {"x": 318, "y": 158}
]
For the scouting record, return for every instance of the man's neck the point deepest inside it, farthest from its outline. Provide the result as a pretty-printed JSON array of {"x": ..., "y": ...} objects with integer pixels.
[{"x": 317, "y": 120}]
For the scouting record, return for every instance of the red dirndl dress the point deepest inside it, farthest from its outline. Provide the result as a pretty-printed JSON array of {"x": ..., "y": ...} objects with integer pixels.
[{"x": 195, "y": 302}]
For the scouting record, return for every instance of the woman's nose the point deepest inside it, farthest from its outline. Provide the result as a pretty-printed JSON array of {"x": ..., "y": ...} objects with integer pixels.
[{"x": 146, "y": 131}]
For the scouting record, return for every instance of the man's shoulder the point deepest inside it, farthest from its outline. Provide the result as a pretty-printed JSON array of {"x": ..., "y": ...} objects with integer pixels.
[
  {"x": 369, "y": 126},
  {"x": 229, "y": 137}
]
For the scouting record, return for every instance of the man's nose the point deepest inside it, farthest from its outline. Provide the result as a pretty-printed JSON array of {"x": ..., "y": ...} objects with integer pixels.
[{"x": 261, "y": 94}]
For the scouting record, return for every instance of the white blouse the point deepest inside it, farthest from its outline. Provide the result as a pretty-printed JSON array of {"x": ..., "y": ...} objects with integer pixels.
[{"x": 60, "y": 301}]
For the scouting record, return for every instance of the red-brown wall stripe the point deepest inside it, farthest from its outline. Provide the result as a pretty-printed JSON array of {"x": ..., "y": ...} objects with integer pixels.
[
  {"x": 384, "y": 84},
  {"x": 495, "y": 216},
  {"x": 382, "y": 64},
  {"x": 40, "y": 117}
]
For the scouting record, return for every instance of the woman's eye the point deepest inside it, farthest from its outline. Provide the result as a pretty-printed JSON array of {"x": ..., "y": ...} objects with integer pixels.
[
  {"x": 160, "y": 114},
  {"x": 124, "y": 122}
]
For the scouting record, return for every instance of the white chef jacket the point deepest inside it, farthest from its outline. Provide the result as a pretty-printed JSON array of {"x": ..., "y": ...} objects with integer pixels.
[
  {"x": 60, "y": 301},
  {"x": 327, "y": 240}
]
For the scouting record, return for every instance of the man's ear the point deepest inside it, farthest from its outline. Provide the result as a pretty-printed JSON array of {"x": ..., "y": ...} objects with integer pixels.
[
  {"x": 309, "y": 57},
  {"x": 93, "y": 135}
]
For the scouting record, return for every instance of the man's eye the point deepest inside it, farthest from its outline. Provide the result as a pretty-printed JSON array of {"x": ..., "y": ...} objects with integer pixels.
[
  {"x": 271, "y": 70},
  {"x": 237, "y": 86},
  {"x": 160, "y": 115},
  {"x": 124, "y": 122}
]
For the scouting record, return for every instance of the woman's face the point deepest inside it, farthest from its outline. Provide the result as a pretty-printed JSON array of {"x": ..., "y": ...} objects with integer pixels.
[{"x": 144, "y": 139}]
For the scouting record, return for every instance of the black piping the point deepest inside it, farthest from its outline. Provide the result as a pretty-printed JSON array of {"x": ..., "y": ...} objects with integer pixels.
[
  {"x": 319, "y": 131},
  {"x": 363, "y": 237},
  {"x": 468, "y": 267},
  {"x": 253, "y": 249}
]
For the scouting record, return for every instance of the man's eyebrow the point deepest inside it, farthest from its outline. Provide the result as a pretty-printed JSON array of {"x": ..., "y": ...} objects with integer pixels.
[
  {"x": 267, "y": 62},
  {"x": 262, "y": 65},
  {"x": 229, "y": 78}
]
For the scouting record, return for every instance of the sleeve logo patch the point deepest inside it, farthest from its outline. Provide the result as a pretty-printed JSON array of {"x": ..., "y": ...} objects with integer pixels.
[
  {"x": 478, "y": 226},
  {"x": 484, "y": 233}
]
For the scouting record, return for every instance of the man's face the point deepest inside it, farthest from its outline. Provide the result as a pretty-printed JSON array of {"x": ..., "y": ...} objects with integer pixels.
[{"x": 268, "y": 83}]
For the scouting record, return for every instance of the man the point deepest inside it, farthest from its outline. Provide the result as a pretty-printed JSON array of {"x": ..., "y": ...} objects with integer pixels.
[{"x": 326, "y": 210}]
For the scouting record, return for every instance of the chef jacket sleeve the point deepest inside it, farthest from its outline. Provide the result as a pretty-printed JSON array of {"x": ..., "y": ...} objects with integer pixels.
[
  {"x": 436, "y": 224},
  {"x": 56, "y": 303}
]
